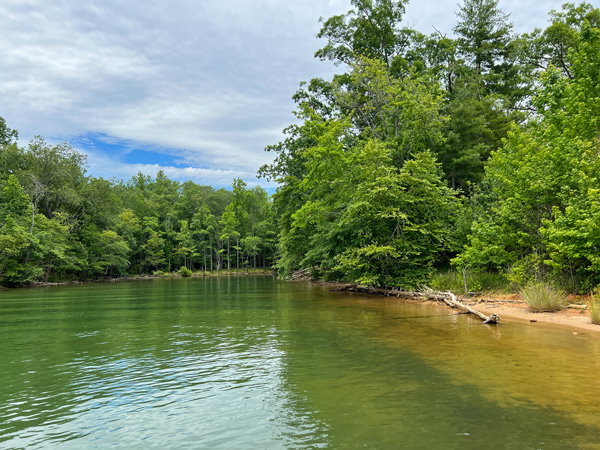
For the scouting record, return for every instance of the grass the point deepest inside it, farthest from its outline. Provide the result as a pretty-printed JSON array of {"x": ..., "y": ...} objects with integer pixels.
[
  {"x": 594, "y": 306},
  {"x": 452, "y": 280},
  {"x": 543, "y": 297}
]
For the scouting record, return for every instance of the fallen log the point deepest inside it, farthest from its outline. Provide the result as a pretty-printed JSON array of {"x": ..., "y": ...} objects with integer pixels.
[
  {"x": 447, "y": 297},
  {"x": 304, "y": 274}
]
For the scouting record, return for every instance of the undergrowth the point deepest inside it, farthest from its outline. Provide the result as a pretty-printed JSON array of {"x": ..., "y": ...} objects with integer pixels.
[
  {"x": 543, "y": 297},
  {"x": 452, "y": 280},
  {"x": 594, "y": 306}
]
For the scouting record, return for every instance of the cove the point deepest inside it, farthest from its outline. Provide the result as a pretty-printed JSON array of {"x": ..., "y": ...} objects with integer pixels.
[{"x": 255, "y": 362}]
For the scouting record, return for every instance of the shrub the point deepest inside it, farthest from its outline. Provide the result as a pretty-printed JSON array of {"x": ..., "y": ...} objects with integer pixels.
[
  {"x": 594, "y": 306},
  {"x": 158, "y": 273},
  {"x": 543, "y": 297},
  {"x": 185, "y": 272}
]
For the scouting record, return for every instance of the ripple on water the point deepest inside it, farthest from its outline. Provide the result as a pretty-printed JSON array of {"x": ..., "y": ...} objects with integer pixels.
[{"x": 199, "y": 364}]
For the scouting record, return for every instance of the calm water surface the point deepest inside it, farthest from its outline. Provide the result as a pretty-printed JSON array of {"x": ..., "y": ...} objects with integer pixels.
[{"x": 257, "y": 363}]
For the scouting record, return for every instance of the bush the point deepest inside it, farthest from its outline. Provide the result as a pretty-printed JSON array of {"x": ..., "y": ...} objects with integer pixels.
[
  {"x": 543, "y": 297},
  {"x": 594, "y": 306},
  {"x": 185, "y": 272},
  {"x": 158, "y": 273}
]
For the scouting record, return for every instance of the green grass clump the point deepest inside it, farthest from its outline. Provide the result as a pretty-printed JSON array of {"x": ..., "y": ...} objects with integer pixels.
[
  {"x": 543, "y": 297},
  {"x": 594, "y": 306},
  {"x": 185, "y": 272}
]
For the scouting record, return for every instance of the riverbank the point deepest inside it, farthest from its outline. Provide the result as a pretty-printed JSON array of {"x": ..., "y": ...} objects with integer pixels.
[
  {"x": 200, "y": 274},
  {"x": 512, "y": 308}
]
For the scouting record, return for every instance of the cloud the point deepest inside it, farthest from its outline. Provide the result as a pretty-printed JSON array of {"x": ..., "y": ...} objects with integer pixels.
[
  {"x": 106, "y": 166},
  {"x": 208, "y": 83},
  {"x": 424, "y": 15}
]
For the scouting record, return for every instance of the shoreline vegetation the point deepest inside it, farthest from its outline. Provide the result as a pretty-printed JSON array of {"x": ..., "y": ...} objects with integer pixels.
[
  {"x": 510, "y": 306},
  {"x": 466, "y": 164},
  {"x": 161, "y": 276},
  {"x": 577, "y": 313}
]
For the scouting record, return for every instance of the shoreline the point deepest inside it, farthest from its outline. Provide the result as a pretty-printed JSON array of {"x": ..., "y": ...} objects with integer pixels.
[
  {"x": 517, "y": 311},
  {"x": 511, "y": 308},
  {"x": 142, "y": 277}
]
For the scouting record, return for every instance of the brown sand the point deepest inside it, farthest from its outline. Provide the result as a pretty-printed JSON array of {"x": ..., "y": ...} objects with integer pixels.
[{"x": 512, "y": 309}]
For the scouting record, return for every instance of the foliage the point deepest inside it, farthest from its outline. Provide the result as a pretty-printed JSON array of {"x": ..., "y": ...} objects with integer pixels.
[
  {"x": 7, "y": 136},
  {"x": 545, "y": 218},
  {"x": 594, "y": 306},
  {"x": 371, "y": 29},
  {"x": 185, "y": 272},
  {"x": 58, "y": 223},
  {"x": 452, "y": 280},
  {"x": 543, "y": 297},
  {"x": 424, "y": 150}
]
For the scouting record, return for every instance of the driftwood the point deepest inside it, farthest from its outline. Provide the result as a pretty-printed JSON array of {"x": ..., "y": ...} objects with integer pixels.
[
  {"x": 447, "y": 297},
  {"x": 304, "y": 274}
]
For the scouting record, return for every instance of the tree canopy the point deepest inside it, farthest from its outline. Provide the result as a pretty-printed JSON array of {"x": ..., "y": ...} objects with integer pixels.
[{"x": 478, "y": 150}]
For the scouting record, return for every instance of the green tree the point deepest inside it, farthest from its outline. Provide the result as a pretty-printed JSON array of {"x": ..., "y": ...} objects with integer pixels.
[
  {"x": 552, "y": 45},
  {"x": 544, "y": 180},
  {"x": 229, "y": 225},
  {"x": 185, "y": 244},
  {"x": 154, "y": 246},
  {"x": 204, "y": 225},
  {"x": 7, "y": 135},
  {"x": 371, "y": 30},
  {"x": 483, "y": 34},
  {"x": 115, "y": 251}
]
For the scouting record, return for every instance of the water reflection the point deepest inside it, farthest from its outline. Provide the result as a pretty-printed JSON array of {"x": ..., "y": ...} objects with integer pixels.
[{"x": 253, "y": 362}]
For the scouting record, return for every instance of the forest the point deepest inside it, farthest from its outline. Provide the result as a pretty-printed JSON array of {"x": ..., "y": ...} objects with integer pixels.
[
  {"x": 475, "y": 153},
  {"x": 59, "y": 224}
]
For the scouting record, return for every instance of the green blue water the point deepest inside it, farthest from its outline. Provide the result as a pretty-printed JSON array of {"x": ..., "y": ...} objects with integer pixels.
[{"x": 258, "y": 363}]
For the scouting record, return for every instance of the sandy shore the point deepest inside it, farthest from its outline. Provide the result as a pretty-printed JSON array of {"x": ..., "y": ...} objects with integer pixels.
[{"x": 513, "y": 309}]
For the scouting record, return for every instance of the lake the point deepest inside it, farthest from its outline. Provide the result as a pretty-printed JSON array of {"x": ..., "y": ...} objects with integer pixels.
[{"x": 252, "y": 362}]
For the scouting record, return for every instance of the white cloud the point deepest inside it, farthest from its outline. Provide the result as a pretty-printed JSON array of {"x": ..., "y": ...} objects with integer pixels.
[
  {"x": 104, "y": 166},
  {"x": 210, "y": 80}
]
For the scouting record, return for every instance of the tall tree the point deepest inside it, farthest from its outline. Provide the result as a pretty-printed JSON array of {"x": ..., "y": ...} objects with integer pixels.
[
  {"x": 7, "y": 136},
  {"x": 483, "y": 34},
  {"x": 544, "y": 220},
  {"x": 371, "y": 29}
]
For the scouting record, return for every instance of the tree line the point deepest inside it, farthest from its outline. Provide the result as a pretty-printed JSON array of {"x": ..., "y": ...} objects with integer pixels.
[
  {"x": 478, "y": 151},
  {"x": 57, "y": 223}
]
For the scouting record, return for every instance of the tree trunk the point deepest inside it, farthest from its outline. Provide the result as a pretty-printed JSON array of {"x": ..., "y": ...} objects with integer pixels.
[{"x": 447, "y": 297}]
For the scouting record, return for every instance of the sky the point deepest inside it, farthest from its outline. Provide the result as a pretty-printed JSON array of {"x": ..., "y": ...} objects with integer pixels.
[{"x": 197, "y": 89}]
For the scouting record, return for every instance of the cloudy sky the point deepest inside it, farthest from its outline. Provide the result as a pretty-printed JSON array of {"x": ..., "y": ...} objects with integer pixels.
[{"x": 195, "y": 88}]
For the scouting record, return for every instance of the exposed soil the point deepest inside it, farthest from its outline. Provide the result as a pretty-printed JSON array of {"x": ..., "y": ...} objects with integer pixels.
[{"x": 511, "y": 307}]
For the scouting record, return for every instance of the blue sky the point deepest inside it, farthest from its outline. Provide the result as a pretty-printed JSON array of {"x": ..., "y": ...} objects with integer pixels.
[{"x": 197, "y": 89}]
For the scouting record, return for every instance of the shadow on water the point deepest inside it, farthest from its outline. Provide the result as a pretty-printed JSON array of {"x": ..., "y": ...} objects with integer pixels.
[{"x": 253, "y": 362}]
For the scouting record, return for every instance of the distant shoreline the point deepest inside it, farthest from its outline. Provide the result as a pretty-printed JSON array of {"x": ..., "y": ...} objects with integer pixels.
[{"x": 143, "y": 277}]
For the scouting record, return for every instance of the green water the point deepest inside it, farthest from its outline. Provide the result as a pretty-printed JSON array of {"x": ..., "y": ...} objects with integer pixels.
[{"x": 257, "y": 363}]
